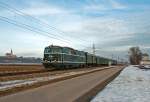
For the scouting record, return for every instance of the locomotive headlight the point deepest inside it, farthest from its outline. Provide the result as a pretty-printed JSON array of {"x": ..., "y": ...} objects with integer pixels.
[{"x": 50, "y": 56}]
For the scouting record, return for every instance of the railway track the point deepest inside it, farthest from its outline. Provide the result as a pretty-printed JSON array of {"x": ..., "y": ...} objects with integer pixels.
[
  {"x": 54, "y": 76},
  {"x": 26, "y": 74},
  {"x": 19, "y": 67},
  {"x": 19, "y": 71},
  {"x": 29, "y": 74},
  {"x": 12, "y": 73}
]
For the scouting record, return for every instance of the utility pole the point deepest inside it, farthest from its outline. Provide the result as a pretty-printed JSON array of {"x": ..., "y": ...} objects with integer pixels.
[
  {"x": 112, "y": 56},
  {"x": 118, "y": 58},
  {"x": 93, "y": 49},
  {"x": 93, "y": 53}
]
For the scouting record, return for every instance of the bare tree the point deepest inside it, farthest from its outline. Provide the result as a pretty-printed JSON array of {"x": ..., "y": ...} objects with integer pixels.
[{"x": 135, "y": 55}]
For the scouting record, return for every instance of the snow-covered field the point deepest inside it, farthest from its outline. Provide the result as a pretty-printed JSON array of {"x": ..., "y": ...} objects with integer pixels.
[{"x": 132, "y": 85}]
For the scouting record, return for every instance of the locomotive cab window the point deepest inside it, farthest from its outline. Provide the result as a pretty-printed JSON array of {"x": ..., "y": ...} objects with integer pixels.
[{"x": 47, "y": 50}]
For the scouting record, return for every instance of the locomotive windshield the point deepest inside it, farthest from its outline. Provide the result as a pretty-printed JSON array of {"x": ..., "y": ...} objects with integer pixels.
[
  {"x": 47, "y": 50},
  {"x": 52, "y": 54}
]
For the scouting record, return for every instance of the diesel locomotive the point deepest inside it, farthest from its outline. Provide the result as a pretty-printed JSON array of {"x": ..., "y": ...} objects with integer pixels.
[{"x": 66, "y": 57}]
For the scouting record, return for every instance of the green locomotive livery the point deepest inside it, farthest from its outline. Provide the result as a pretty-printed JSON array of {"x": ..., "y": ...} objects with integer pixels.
[{"x": 65, "y": 57}]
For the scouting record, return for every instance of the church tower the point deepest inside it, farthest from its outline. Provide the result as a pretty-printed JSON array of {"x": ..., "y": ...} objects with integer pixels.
[{"x": 11, "y": 52}]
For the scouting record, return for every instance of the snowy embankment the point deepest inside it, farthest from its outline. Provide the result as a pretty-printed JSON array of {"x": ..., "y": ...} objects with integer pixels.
[
  {"x": 17, "y": 83},
  {"x": 132, "y": 85}
]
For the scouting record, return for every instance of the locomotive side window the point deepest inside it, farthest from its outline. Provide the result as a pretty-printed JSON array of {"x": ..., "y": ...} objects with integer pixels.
[{"x": 56, "y": 50}]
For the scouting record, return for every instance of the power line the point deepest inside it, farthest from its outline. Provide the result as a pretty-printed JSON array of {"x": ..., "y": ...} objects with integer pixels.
[
  {"x": 50, "y": 27},
  {"x": 24, "y": 26}
]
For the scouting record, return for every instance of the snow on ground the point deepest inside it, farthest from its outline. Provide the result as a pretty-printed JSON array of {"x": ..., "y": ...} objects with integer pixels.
[
  {"x": 132, "y": 85},
  {"x": 14, "y": 83}
]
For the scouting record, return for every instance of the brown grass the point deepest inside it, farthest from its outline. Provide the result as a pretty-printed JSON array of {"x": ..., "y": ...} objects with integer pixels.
[{"x": 13, "y": 68}]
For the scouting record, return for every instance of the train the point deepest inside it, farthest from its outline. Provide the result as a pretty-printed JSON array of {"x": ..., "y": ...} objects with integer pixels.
[{"x": 65, "y": 57}]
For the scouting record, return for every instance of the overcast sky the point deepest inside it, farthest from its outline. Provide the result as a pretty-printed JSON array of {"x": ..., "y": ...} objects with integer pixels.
[{"x": 112, "y": 25}]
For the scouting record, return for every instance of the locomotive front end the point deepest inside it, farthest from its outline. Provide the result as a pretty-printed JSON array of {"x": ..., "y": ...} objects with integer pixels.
[{"x": 52, "y": 57}]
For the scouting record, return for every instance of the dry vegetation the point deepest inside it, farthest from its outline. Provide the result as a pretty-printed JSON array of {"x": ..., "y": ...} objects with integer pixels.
[{"x": 19, "y": 68}]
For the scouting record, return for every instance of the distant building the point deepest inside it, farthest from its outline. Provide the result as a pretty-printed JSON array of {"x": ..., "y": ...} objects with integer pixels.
[
  {"x": 145, "y": 59},
  {"x": 10, "y": 55},
  {"x": 12, "y": 58}
]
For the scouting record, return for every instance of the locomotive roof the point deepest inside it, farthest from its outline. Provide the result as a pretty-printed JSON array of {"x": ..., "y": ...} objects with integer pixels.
[{"x": 63, "y": 47}]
